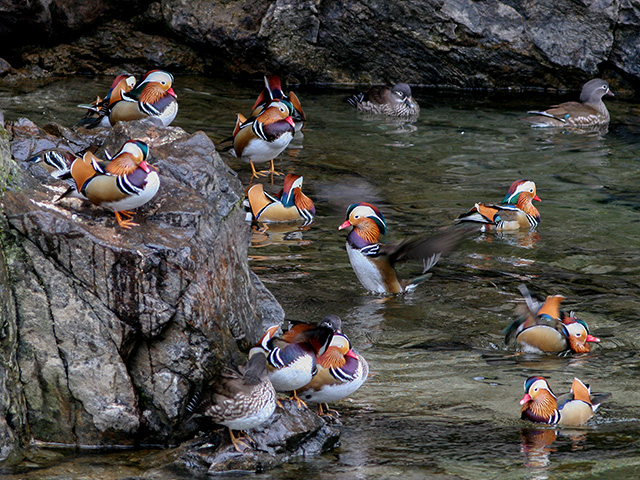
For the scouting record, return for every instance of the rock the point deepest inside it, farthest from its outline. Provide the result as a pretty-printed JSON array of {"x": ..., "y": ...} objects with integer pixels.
[
  {"x": 113, "y": 48},
  {"x": 457, "y": 43},
  {"x": 290, "y": 432},
  {"x": 111, "y": 330},
  {"x": 5, "y": 67},
  {"x": 42, "y": 21}
]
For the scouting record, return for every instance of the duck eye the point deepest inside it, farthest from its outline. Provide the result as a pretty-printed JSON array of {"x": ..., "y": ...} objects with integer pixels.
[{"x": 356, "y": 217}]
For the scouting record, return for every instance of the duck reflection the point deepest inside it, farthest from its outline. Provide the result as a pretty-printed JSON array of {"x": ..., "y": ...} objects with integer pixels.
[
  {"x": 536, "y": 446},
  {"x": 263, "y": 234}
]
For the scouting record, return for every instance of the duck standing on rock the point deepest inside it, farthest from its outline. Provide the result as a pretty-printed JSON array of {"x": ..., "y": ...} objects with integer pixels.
[
  {"x": 395, "y": 101},
  {"x": 124, "y": 183},
  {"x": 373, "y": 262},
  {"x": 240, "y": 399},
  {"x": 291, "y": 358},
  {"x": 589, "y": 112},
  {"x": 98, "y": 111},
  {"x": 153, "y": 97},
  {"x": 341, "y": 371}
]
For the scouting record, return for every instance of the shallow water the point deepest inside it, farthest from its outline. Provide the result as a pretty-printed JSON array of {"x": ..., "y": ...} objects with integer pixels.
[{"x": 442, "y": 400}]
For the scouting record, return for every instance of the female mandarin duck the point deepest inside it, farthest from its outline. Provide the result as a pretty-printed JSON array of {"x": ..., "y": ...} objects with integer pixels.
[
  {"x": 393, "y": 101},
  {"x": 125, "y": 183},
  {"x": 589, "y": 112},
  {"x": 544, "y": 328},
  {"x": 264, "y": 137},
  {"x": 240, "y": 399},
  {"x": 291, "y": 359},
  {"x": 374, "y": 262},
  {"x": 341, "y": 371},
  {"x": 153, "y": 98},
  {"x": 289, "y": 205},
  {"x": 273, "y": 91},
  {"x": 540, "y": 405},
  {"x": 515, "y": 212},
  {"x": 98, "y": 111}
]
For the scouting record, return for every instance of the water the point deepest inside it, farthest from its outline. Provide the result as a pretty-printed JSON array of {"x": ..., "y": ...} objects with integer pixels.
[{"x": 442, "y": 401}]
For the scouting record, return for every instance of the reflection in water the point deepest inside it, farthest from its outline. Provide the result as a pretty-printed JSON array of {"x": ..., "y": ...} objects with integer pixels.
[
  {"x": 265, "y": 234},
  {"x": 536, "y": 446}
]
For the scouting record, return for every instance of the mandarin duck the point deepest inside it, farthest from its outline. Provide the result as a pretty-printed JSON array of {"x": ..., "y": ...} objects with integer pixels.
[
  {"x": 540, "y": 405},
  {"x": 341, "y": 371},
  {"x": 240, "y": 399},
  {"x": 544, "y": 328},
  {"x": 291, "y": 358},
  {"x": 373, "y": 262},
  {"x": 273, "y": 91},
  {"x": 153, "y": 98},
  {"x": 98, "y": 111},
  {"x": 263, "y": 137},
  {"x": 387, "y": 100},
  {"x": 289, "y": 205},
  {"x": 124, "y": 183},
  {"x": 515, "y": 212},
  {"x": 589, "y": 112}
]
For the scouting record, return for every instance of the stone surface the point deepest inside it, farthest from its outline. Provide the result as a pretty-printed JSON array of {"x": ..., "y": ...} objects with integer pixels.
[
  {"x": 112, "y": 330},
  {"x": 458, "y": 43}
]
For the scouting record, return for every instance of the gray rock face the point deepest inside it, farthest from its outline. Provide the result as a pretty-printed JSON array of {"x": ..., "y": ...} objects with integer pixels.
[
  {"x": 111, "y": 331},
  {"x": 462, "y": 43}
]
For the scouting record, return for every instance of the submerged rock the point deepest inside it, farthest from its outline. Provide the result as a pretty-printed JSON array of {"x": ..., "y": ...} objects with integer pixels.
[{"x": 107, "y": 332}]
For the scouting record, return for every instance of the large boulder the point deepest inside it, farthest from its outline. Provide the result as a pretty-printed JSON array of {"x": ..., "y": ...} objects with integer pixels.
[{"x": 107, "y": 332}]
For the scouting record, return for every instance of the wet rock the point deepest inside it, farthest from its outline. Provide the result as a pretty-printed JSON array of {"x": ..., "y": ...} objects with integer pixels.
[
  {"x": 460, "y": 43},
  {"x": 111, "y": 330},
  {"x": 111, "y": 49},
  {"x": 290, "y": 432},
  {"x": 45, "y": 20},
  {"x": 5, "y": 67}
]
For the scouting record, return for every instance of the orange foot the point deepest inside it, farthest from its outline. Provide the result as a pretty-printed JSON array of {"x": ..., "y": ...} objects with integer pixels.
[{"x": 124, "y": 219}]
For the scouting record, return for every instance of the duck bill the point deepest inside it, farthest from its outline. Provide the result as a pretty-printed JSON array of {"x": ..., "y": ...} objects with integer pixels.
[
  {"x": 537, "y": 198},
  {"x": 172, "y": 93},
  {"x": 525, "y": 399},
  {"x": 346, "y": 224},
  {"x": 145, "y": 166},
  {"x": 290, "y": 121},
  {"x": 609, "y": 92},
  {"x": 591, "y": 338}
]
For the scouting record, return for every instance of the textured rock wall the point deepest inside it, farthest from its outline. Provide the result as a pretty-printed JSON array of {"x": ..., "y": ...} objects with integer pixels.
[
  {"x": 111, "y": 331},
  {"x": 462, "y": 43}
]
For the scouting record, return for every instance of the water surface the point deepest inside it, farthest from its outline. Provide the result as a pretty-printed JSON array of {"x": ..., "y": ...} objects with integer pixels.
[{"x": 442, "y": 401}]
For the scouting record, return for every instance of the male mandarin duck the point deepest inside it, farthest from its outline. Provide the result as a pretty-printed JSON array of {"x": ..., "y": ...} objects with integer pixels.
[
  {"x": 240, "y": 399},
  {"x": 515, "y": 212},
  {"x": 98, "y": 111},
  {"x": 289, "y": 205},
  {"x": 291, "y": 359},
  {"x": 273, "y": 91},
  {"x": 589, "y": 112},
  {"x": 393, "y": 101},
  {"x": 153, "y": 97},
  {"x": 341, "y": 371},
  {"x": 264, "y": 137},
  {"x": 373, "y": 262},
  {"x": 540, "y": 405},
  {"x": 544, "y": 328},
  {"x": 124, "y": 183}
]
